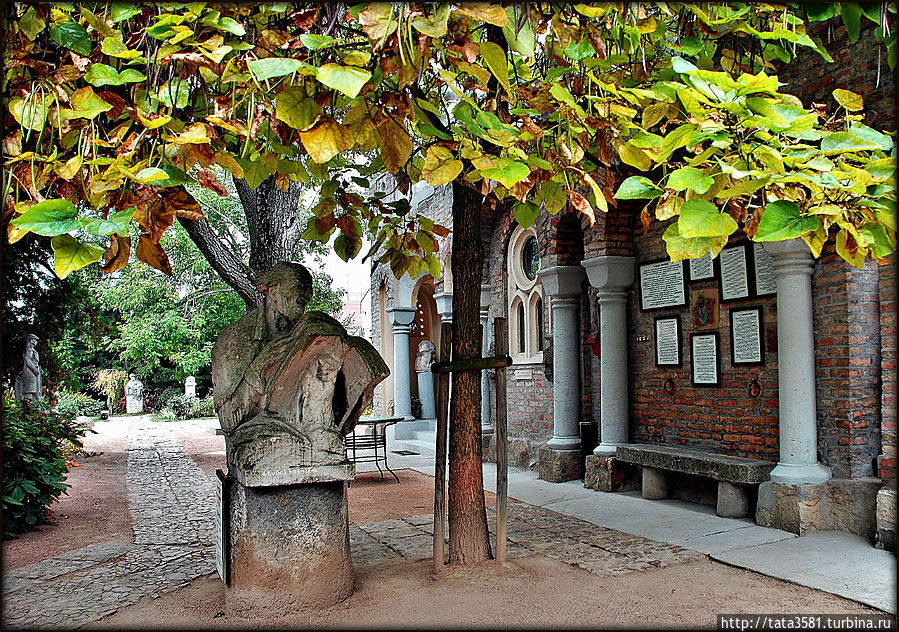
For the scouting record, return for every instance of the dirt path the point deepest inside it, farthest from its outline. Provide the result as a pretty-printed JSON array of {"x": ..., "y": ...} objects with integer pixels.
[{"x": 630, "y": 584}]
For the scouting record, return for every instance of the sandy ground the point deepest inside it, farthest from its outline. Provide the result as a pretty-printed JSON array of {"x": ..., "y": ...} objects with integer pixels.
[{"x": 534, "y": 591}]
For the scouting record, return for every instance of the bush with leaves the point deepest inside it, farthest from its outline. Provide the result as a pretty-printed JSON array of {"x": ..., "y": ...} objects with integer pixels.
[
  {"x": 182, "y": 405},
  {"x": 73, "y": 403},
  {"x": 111, "y": 382},
  {"x": 34, "y": 466}
]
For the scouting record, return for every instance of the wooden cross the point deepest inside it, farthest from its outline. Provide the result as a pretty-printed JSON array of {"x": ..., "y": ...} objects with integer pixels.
[{"x": 442, "y": 371}]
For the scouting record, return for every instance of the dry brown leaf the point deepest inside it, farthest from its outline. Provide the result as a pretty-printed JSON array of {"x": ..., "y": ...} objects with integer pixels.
[
  {"x": 209, "y": 181},
  {"x": 152, "y": 254},
  {"x": 117, "y": 255}
]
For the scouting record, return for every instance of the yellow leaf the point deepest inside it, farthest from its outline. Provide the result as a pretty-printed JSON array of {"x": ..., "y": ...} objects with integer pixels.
[
  {"x": 440, "y": 167},
  {"x": 491, "y": 13},
  {"x": 849, "y": 100},
  {"x": 326, "y": 140},
  {"x": 14, "y": 234},
  {"x": 228, "y": 162},
  {"x": 195, "y": 134},
  {"x": 155, "y": 122},
  {"x": 396, "y": 146},
  {"x": 69, "y": 169}
]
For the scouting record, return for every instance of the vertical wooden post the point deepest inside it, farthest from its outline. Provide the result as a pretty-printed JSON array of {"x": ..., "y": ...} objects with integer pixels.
[
  {"x": 502, "y": 453},
  {"x": 443, "y": 382}
]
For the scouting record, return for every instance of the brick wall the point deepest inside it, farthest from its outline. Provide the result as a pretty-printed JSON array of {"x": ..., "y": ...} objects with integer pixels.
[
  {"x": 725, "y": 419},
  {"x": 888, "y": 308}
]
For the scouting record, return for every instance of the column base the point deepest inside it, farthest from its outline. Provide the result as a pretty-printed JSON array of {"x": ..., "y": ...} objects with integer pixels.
[
  {"x": 606, "y": 449},
  {"x": 794, "y": 474},
  {"x": 564, "y": 443},
  {"x": 885, "y": 538},
  {"x": 558, "y": 466},
  {"x": 608, "y": 474},
  {"x": 290, "y": 548},
  {"x": 840, "y": 504}
]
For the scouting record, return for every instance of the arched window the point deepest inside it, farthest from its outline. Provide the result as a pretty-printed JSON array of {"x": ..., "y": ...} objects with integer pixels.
[{"x": 525, "y": 307}]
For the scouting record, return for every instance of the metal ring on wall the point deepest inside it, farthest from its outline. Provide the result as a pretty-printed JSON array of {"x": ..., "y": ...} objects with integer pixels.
[
  {"x": 755, "y": 389},
  {"x": 668, "y": 387}
]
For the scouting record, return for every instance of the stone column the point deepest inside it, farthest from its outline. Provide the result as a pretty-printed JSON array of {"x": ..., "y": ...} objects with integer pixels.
[
  {"x": 401, "y": 318},
  {"x": 561, "y": 459},
  {"x": 611, "y": 276},
  {"x": 487, "y": 426},
  {"x": 793, "y": 266}
]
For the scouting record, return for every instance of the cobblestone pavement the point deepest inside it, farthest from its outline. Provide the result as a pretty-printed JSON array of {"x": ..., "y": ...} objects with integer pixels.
[
  {"x": 172, "y": 505},
  {"x": 532, "y": 530}
]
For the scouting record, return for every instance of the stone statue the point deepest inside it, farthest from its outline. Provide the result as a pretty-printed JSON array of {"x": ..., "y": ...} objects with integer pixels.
[
  {"x": 134, "y": 395},
  {"x": 288, "y": 386},
  {"x": 28, "y": 383},
  {"x": 427, "y": 355}
]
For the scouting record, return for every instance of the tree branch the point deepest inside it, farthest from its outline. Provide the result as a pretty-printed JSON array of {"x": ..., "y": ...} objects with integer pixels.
[{"x": 230, "y": 268}]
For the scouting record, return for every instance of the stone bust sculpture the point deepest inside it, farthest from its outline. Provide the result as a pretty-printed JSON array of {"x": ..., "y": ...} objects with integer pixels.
[
  {"x": 427, "y": 354},
  {"x": 134, "y": 387},
  {"x": 288, "y": 385},
  {"x": 29, "y": 383}
]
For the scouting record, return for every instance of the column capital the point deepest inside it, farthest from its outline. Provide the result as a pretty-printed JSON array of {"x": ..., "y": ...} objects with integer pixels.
[
  {"x": 486, "y": 295},
  {"x": 562, "y": 280},
  {"x": 401, "y": 316},
  {"x": 791, "y": 256},
  {"x": 610, "y": 272},
  {"x": 444, "y": 302},
  {"x": 563, "y": 302}
]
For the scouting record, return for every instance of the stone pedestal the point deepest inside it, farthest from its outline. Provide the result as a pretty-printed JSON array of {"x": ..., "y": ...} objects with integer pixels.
[
  {"x": 558, "y": 466},
  {"x": 733, "y": 500},
  {"x": 401, "y": 318},
  {"x": 611, "y": 276},
  {"x": 290, "y": 548},
  {"x": 608, "y": 474},
  {"x": 885, "y": 538},
  {"x": 190, "y": 386},
  {"x": 487, "y": 425},
  {"x": 563, "y": 285},
  {"x": 655, "y": 484},
  {"x": 840, "y": 504},
  {"x": 426, "y": 395}
]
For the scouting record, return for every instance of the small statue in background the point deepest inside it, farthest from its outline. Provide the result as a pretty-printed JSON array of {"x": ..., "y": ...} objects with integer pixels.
[
  {"x": 427, "y": 354},
  {"x": 28, "y": 383},
  {"x": 134, "y": 395}
]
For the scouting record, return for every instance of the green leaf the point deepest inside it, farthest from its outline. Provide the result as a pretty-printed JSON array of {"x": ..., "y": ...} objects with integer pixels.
[
  {"x": 31, "y": 24},
  {"x": 346, "y": 79},
  {"x": 638, "y": 188},
  {"x": 433, "y": 25},
  {"x": 119, "y": 11},
  {"x": 232, "y": 26},
  {"x": 347, "y": 246},
  {"x": 880, "y": 243},
  {"x": 296, "y": 109},
  {"x": 849, "y": 100},
  {"x": 552, "y": 195},
  {"x": 115, "y": 47},
  {"x": 851, "y": 13},
  {"x": 103, "y": 75},
  {"x": 699, "y": 218},
  {"x": 781, "y": 220},
  {"x": 273, "y": 67},
  {"x": 114, "y": 223},
  {"x": 70, "y": 254},
  {"x": 48, "y": 218},
  {"x": 254, "y": 172},
  {"x": 174, "y": 93},
  {"x": 150, "y": 175},
  {"x": 525, "y": 213},
  {"x": 842, "y": 142},
  {"x": 316, "y": 42},
  {"x": 507, "y": 172},
  {"x": 690, "y": 178},
  {"x": 88, "y": 104},
  {"x": 871, "y": 135},
  {"x": 495, "y": 58},
  {"x": 680, "y": 248},
  {"x": 523, "y": 41},
  {"x": 174, "y": 177},
  {"x": 72, "y": 35},
  {"x": 31, "y": 113}
]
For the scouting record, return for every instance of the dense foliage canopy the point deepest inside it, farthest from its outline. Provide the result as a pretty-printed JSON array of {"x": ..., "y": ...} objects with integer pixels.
[{"x": 114, "y": 107}]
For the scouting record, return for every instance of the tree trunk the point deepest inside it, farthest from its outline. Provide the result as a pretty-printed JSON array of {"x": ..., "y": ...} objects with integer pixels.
[
  {"x": 274, "y": 227},
  {"x": 468, "y": 538},
  {"x": 273, "y": 221}
]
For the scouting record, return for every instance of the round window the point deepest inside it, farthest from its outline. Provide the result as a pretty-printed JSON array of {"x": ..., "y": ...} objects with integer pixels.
[{"x": 530, "y": 258}]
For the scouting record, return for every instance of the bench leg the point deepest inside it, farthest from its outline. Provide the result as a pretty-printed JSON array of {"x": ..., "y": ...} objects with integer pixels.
[
  {"x": 733, "y": 500},
  {"x": 655, "y": 484}
]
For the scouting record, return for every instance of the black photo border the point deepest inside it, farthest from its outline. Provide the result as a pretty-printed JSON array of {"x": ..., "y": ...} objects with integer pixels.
[
  {"x": 683, "y": 285},
  {"x": 655, "y": 332},
  {"x": 760, "y": 332},
  {"x": 717, "y": 337}
]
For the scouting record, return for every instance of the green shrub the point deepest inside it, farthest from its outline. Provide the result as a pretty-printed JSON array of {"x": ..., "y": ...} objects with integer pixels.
[
  {"x": 34, "y": 466},
  {"x": 73, "y": 403},
  {"x": 181, "y": 406},
  {"x": 204, "y": 408},
  {"x": 112, "y": 383}
]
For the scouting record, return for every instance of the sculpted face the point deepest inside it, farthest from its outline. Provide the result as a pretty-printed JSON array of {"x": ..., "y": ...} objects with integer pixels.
[{"x": 282, "y": 307}]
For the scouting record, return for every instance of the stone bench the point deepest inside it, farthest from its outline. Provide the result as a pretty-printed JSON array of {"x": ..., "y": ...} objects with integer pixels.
[{"x": 736, "y": 476}]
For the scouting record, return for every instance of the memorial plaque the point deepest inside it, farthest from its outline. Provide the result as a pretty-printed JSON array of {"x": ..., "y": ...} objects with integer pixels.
[
  {"x": 702, "y": 269},
  {"x": 763, "y": 263},
  {"x": 221, "y": 525},
  {"x": 704, "y": 356},
  {"x": 668, "y": 341},
  {"x": 662, "y": 285},
  {"x": 746, "y": 343},
  {"x": 734, "y": 273}
]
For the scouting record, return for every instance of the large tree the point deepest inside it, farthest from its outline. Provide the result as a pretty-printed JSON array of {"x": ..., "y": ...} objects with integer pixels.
[{"x": 538, "y": 106}]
